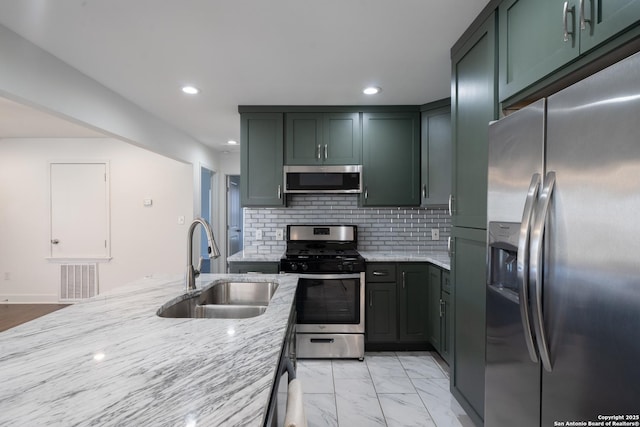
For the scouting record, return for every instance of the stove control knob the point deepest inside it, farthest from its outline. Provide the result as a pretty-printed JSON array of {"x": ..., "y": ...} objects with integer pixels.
[
  {"x": 340, "y": 267},
  {"x": 305, "y": 267},
  {"x": 294, "y": 266}
]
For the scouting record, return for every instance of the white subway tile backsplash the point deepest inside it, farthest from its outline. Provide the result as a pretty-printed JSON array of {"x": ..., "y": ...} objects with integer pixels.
[{"x": 388, "y": 229}]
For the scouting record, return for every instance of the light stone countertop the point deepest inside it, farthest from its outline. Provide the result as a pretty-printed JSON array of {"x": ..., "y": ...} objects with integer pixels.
[
  {"x": 154, "y": 371},
  {"x": 439, "y": 258},
  {"x": 245, "y": 256}
]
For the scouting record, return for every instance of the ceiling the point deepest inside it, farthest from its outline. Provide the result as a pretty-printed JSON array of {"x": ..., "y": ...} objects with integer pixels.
[{"x": 248, "y": 52}]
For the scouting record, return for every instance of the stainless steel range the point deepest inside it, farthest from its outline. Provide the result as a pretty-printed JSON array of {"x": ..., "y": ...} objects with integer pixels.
[{"x": 330, "y": 296}]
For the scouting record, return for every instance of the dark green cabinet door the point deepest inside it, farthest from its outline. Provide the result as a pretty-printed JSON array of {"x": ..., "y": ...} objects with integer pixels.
[
  {"x": 413, "y": 282},
  {"x": 532, "y": 42},
  {"x": 391, "y": 159},
  {"x": 606, "y": 18},
  {"x": 342, "y": 139},
  {"x": 261, "y": 159},
  {"x": 468, "y": 282},
  {"x": 473, "y": 105},
  {"x": 435, "y": 278},
  {"x": 445, "y": 326},
  {"x": 323, "y": 139},
  {"x": 381, "y": 313},
  {"x": 303, "y": 139},
  {"x": 436, "y": 157}
]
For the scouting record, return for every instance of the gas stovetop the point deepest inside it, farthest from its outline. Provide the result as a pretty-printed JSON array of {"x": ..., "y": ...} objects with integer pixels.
[{"x": 322, "y": 249}]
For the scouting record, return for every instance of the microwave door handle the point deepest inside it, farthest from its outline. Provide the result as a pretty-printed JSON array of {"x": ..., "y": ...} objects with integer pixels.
[
  {"x": 523, "y": 264},
  {"x": 535, "y": 267}
]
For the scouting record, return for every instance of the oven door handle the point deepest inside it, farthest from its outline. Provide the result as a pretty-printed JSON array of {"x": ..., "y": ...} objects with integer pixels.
[{"x": 331, "y": 276}]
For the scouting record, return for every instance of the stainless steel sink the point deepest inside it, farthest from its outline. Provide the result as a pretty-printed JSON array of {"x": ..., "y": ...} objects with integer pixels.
[{"x": 223, "y": 300}]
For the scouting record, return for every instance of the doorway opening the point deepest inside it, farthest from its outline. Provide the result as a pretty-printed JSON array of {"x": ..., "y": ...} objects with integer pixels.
[
  {"x": 234, "y": 215},
  {"x": 207, "y": 205}
]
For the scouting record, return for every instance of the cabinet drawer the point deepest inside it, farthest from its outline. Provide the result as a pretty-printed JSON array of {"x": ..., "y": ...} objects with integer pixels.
[{"x": 381, "y": 272}]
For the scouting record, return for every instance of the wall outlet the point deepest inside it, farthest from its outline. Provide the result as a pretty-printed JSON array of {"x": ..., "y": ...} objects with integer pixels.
[
  {"x": 279, "y": 234},
  {"x": 435, "y": 234},
  {"x": 258, "y": 234}
]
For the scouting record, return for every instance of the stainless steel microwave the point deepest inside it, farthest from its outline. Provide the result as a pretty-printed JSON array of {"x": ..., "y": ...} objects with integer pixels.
[{"x": 323, "y": 179}]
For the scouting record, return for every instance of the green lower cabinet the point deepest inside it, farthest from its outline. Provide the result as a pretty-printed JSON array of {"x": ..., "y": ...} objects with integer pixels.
[
  {"x": 435, "y": 307},
  {"x": 397, "y": 304},
  {"x": 391, "y": 159},
  {"x": 445, "y": 326},
  {"x": 468, "y": 276},
  {"x": 254, "y": 267},
  {"x": 381, "y": 313},
  {"x": 413, "y": 297}
]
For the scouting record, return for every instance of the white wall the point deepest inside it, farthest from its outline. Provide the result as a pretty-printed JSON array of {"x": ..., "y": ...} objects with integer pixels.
[
  {"x": 144, "y": 240},
  {"x": 34, "y": 77}
]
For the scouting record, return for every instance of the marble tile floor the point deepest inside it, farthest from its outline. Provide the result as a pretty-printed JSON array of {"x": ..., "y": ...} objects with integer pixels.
[{"x": 394, "y": 389}]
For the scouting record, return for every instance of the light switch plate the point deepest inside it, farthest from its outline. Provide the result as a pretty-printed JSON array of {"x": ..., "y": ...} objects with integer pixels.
[
  {"x": 435, "y": 234},
  {"x": 279, "y": 234},
  {"x": 258, "y": 234}
]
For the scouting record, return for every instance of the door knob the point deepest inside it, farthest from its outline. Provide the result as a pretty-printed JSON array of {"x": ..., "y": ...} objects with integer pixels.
[{"x": 55, "y": 241}]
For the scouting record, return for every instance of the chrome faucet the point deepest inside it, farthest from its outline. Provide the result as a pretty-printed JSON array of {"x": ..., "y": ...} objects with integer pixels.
[{"x": 192, "y": 273}]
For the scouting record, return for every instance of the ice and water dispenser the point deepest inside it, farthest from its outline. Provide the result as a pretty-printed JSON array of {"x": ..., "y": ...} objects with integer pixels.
[{"x": 503, "y": 254}]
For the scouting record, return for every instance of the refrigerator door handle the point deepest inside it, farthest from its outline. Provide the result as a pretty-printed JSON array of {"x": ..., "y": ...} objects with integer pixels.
[
  {"x": 523, "y": 264},
  {"x": 535, "y": 266}
]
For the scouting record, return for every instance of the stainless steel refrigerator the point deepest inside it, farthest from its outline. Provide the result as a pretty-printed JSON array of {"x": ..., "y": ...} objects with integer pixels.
[{"x": 563, "y": 285}]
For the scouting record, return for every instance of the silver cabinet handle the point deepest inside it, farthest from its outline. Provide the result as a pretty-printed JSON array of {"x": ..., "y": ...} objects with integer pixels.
[
  {"x": 404, "y": 279},
  {"x": 366, "y": 193},
  {"x": 55, "y": 241},
  {"x": 279, "y": 191},
  {"x": 370, "y": 298},
  {"x": 326, "y": 151},
  {"x": 535, "y": 267},
  {"x": 318, "y": 152},
  {"x": 380, "y": 273},
  {"x": 566, "y": 10},
  {"x": 424, "y": 191},
  {"x": 450, "y": 204},
  {"x": 583, "y": 20},
  {"x": 441, "y": 308},
  {"x": 449, "y": 246},
  {"x": 523, "y": 263}
]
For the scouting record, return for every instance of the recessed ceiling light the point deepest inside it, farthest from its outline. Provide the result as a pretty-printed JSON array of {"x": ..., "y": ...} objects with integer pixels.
[
  {"x": 191, "y": 90},
  {"x": 232, "y": 142},
  {"x": 371, "y": 90}
]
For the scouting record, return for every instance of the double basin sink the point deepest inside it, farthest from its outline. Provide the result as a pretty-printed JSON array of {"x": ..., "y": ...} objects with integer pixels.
[{"x": 222, "y": 300}]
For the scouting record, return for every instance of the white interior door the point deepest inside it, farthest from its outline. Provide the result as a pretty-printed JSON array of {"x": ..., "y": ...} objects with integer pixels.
[{"x": 79, "y": 210}]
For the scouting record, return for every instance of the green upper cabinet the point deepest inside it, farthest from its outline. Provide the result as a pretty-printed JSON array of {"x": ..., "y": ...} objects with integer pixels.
[
  {"x": 604, "y": 19},
  {"x": 537, "y": 37},
  {"x": 323, "y": 139},
  {"x": 391, "y": 159},
  {"x": 473, "y": 106},
  {"x": 261, "y": 160},
  {"x": 436, "y": 156},
  {"x": 531, "y": 42}
]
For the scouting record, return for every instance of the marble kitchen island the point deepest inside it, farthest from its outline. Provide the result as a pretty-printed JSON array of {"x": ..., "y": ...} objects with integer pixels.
[{"x": 112, "y": 361}]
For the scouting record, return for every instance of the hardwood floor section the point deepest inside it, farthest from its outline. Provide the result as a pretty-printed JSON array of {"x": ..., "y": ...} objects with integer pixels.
[{"x": 15, "y": 314}]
